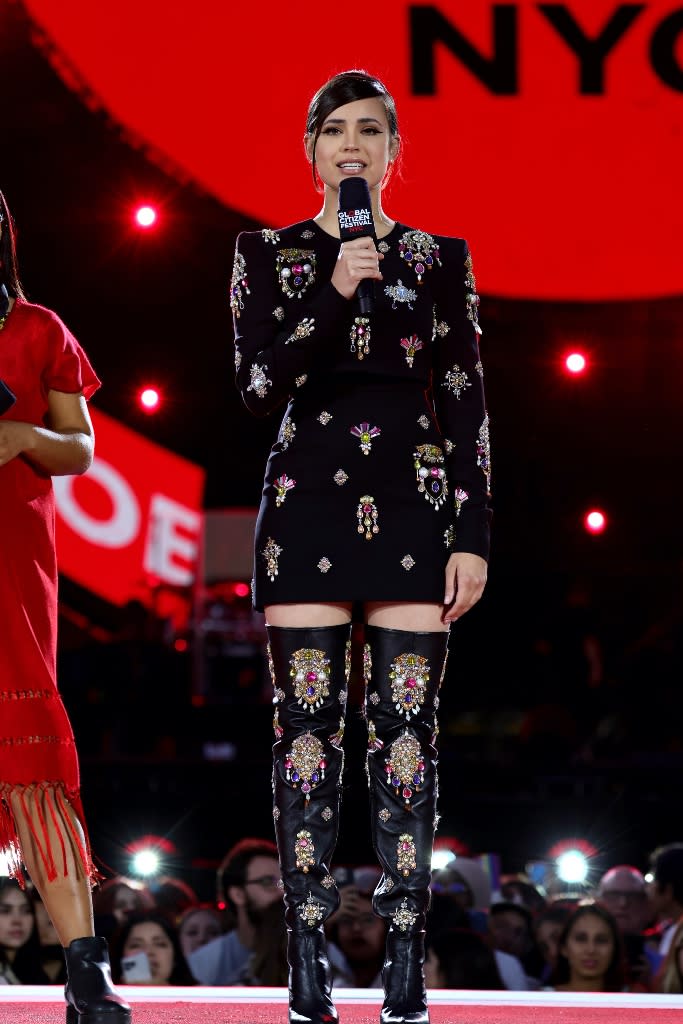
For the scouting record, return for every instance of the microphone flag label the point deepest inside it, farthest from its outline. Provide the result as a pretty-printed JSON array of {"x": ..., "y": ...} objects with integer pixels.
[{"x": 355, "y": 220}]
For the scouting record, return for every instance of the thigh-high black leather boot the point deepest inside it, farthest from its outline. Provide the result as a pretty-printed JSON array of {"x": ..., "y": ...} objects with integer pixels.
[
  {"x": 309, "y": 668},
  {"x": 403, "y": 672}
]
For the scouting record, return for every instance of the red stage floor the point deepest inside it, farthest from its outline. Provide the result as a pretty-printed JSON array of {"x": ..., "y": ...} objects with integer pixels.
[{"x": 42, "y": 1005}]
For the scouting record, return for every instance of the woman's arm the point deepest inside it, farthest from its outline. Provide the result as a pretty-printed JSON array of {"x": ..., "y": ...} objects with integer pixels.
[{"x": 64, "y": 447}]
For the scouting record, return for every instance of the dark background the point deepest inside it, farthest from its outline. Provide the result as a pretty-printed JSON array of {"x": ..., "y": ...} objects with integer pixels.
[{"x": 536, "y": 745}]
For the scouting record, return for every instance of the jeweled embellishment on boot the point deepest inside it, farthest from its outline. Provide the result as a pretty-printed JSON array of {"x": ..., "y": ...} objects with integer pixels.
[
  {"x": 409, "y": 677},
  {"x": 238, "y": 283},
  {"x": 270, "y": 554},
  {"x": 311, "y": 674},
  {"x": 260, "y": 381},
  {"x": 282, "y": 485},
  {"x": 276, "y": 813},
  {"x": 405, "y": 854},
  {"x": 431, "y": 478},
  {"x": 327, "y": 813},
  {"x": 295, "y": 270},
  {"x": 300, "y": 381},
  {"x": 324, "y": 565},
  {"x": 305, "y": 763},
  {"x": 277, "y": 728},
  {"x": 367, "y": 516},
  {"x": 360, "y": 335},
  {"x": 367, "y": 663},
  {"x": 337, "y": 737},
  {"x": 404, "y": 918},
  {"x": 304, "y": 850},
  {"x": 412, "y": 345},
  {"x": 347, "y": 662},
  {"x": 384, "y": 815},
  {"x": 373, "y": 742},
  {"x": 311, "y": 912},
  {"x": 366, "y": 434},
  {"x": 407, "y": 562},
  {"x": 327, "y": 882},
  {"x": 418, "y": 250},
  {"x": 405, "y": 766},
  {"x": 456, "y": 380}
]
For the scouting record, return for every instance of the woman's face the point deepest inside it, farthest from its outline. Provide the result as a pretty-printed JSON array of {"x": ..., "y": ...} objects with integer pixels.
[
  {"x": 589, "y": 948},
  {"x": 354, "y": 141},
  {"x": 197, "y": 929},
  {"x": 150, "y": 938},
  {"x": 125, "y": 903},
  {"x": 548, "y": 939},
  {"x": 16, "y": 919}
]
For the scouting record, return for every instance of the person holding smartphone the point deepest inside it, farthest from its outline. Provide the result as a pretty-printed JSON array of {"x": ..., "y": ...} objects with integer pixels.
[{"x": 46, "y": 431}]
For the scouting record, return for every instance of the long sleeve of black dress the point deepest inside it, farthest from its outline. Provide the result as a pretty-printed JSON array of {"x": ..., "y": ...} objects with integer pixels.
[{"x": 458, "y": 396}]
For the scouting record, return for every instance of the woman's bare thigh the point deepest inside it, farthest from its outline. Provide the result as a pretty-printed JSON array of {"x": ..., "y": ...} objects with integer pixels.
[{"x": 295, "y": 616}]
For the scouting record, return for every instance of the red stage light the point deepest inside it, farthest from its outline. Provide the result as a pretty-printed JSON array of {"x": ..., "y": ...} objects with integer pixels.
[
  {"x": 145, "y": 216},
  {"x": 149, "y": 399},
  {"x": 575, "y": 363},
  {"x": 241, "y": 589},
  {"x": 180, "y": 645},
  {"x": 595, "y": 521}
]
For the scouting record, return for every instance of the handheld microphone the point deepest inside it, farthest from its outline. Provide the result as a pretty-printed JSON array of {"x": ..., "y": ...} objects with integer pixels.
[{"x": 355, "y": 221}]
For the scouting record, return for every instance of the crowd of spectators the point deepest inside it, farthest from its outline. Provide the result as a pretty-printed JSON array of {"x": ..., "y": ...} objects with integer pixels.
[{"x": 624, "y": 935}]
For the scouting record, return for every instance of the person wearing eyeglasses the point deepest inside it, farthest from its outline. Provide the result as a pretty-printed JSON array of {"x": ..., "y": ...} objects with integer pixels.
[
  {"x": 248, "y": 883},
  {"x": 623, "y": 891}
]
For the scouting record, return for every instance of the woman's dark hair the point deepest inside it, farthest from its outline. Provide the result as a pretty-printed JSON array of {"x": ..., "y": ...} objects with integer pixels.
[
  {"x": 614, "y": 975},
  {"x": 181, "y": 973},
  {"x": 104, "y": 898},
  {"x": 27, "y": 964},
  {"x": 9, "y": 270},
  {"x": 346, "y": 87},
  {"x": 465, "y": 960}
]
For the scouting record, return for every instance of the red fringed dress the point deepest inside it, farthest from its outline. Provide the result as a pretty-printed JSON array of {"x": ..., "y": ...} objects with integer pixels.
[{"x": 37, "y": 354}]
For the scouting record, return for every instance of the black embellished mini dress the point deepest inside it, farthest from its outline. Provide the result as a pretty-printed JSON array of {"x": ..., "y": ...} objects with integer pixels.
[{"x": 381, "y": 467}]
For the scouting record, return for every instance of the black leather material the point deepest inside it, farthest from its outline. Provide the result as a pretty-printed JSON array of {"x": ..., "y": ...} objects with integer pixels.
[
  {"x": 309, "y": 894},
  {"x": 403, "y": 822},
  {"x": 90, "y": 996}
]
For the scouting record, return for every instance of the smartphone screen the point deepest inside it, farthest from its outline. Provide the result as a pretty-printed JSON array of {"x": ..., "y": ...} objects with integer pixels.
[
  {"x": 135, "y": 968},
  {"x": 7, "y": 397}
]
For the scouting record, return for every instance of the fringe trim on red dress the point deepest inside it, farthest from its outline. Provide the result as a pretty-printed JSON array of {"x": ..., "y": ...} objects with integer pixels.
[{"x": 55, "y": 861}]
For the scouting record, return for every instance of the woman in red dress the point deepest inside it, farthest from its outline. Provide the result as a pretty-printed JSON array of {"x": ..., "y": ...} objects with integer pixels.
[{"x": 45, "y": 430}]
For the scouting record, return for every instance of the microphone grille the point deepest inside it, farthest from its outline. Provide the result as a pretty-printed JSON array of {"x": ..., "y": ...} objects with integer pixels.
[{"x": 354, "y": 194}]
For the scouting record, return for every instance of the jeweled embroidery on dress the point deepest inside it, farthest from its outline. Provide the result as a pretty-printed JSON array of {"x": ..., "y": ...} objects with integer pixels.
[
  {"x": 340, "y": 477},
  {"x": 324, "y": 418},
  {"x": 479, "y": 367},
  {"x": 238, "y": 358},
  {"x": 449, "y": 447},
  {"x": 304, "y": 329},
  {"x": 439, "y": 328},
  {"x": 418, "y": 250},
  {"x": 279, "y": 313},
  {"x": 282, "y": 485},
  {"x": 456, "y": 380},
  {"x": 405, "y": 854},
  {"x": 367, "y": 516},
  {"x": 311, "y": 674},
  {"x": 423, "y": 421},
  {"x": 409, "y": 677},
  {"x": 238, "y": 284},
  {"x": 384, "y": 247},
  {"x": 407, "y": 562},
  {"x": 471, "y": 297},
  {"x": 324, "y": 564},
  {"x": 312, "y": 913},
  {"x": 271, "y": 553},
  {"x": 300, "y": 381},
  {"x": 459, "y": 499},
  {"x": 360, "y": 335},
  {"x": 304, "y": 850},
  {"x": 404, "y": 918},
  {"x": 295, "y": 270},
  {"x": 287, "y": 432},
  {"x": 399, "y": 293},
  {"x": 449, "y": 536},
  {"x": 260, "y": 382},
  {"x": 305, "y": 763},
  {"x": 307, "y": 234},
  {"x": 405, "y": 766},
  {"x": 484, "y": 452},
  {"x": 366, "y": 434},
  {"x": 411, "y": 345},
  {"x": 270, "y": 236},
  {"x": 431, "y": 478}
]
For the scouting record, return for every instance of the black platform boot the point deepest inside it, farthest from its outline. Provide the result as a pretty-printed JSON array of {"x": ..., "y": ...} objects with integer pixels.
[
  {"x": 310, "y": 669},
  {"x": 90, "y": 996},
  {"x": 403, "y": 672}
]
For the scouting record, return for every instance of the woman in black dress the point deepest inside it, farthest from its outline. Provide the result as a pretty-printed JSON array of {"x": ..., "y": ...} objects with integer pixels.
[{"x": 375, "y": 493}]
